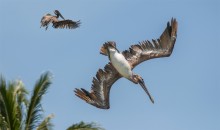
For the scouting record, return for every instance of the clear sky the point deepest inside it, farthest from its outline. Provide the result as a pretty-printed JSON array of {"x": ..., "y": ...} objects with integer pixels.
[{"x": 185, "y": 86}]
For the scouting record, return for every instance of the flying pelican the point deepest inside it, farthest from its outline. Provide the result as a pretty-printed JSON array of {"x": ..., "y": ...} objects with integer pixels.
[
  {"x": 48, "y": 18},
  {"x": 121, "y": 65}
]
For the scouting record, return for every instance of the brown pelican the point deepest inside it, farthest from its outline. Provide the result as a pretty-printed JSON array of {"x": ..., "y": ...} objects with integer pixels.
[
  {"x": 48, "y": 18},
  {"x": 121, "y": 65}
]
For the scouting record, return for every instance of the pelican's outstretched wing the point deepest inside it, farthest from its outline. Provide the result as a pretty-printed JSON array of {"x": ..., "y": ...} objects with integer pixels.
[
  {"x": 101, "y": 85},
  {"x": 66, "y": 24},
  {"x": 161, "y": 47}
]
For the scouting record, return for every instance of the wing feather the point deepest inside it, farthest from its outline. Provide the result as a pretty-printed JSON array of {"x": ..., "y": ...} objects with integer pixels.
[
  {"x": 161, "y": 47},
  {"x": 100, "y": 90},
  {"x": 67, "y": 24}
]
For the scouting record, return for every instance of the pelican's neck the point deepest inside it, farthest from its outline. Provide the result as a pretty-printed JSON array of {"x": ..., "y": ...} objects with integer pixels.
[{"x": 113, "y": 53}]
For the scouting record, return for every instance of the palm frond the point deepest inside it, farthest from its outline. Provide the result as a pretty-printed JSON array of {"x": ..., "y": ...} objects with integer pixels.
[
  {"x": 21, "y": 98},
  {"x": 3, "y": 123},
  {"x": 34, "y": 114},
  {"x": 46, "y": 123},
  {"x": 21, "y": 93},
  {"x": 8, "y": 104},
  {"x": 85, "y": 126}
]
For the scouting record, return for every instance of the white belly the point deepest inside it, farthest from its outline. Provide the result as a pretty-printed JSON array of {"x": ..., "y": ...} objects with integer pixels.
[{"x": 121, "y": 64}]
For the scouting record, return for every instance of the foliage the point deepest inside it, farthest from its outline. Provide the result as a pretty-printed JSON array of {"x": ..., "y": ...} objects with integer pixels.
[
  {"x": 19, "y": 113},
  {"x": 85, "y": 126},
  {"x": 46, "y": 124}
]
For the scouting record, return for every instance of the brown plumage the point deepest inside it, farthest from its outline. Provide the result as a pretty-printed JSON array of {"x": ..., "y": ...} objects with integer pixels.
[
  {"x": 101, "y": 85},
  {"x": 48, "y": 18},
  {"x": 105, "y": 78},
  {"x": 161, "y": 47}
]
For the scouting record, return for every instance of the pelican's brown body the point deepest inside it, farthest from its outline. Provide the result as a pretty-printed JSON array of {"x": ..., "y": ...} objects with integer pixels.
[{"x": 122, "y": 64}]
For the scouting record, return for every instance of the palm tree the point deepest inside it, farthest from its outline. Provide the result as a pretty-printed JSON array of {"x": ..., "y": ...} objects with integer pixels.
[
  {"x": 85, "y": 126},
  {"x": 19, "y": 113}
]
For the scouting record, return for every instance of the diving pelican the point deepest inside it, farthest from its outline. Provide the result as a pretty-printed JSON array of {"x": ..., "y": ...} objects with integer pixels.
[
  {"x": 48, "y": 18},
  {"x": 122, "y": 63}
]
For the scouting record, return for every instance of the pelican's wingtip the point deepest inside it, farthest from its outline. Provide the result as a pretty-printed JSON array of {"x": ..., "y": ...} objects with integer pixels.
[{"x": 103, "y": 51}]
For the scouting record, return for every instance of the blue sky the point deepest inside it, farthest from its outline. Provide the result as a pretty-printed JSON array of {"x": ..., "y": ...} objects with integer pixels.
[{"x": 185, "y": 86}]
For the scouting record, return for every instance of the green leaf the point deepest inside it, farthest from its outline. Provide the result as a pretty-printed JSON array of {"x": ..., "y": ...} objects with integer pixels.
[
  {"x": 46, "y": 123},
  {"x": 9, "y": 106},
  {"x": 85, "y": 126},
  {"x": 34, "y": 113}
]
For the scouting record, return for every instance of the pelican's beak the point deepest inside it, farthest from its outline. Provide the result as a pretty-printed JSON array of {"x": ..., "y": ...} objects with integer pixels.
[
  {"x": 61, "y": 16},
  {"x": 58, "y": 14},
  {"x": 141, "y": 82}
]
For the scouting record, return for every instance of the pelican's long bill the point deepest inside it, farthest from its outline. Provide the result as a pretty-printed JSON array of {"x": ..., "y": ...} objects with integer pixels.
[
  {"x": 61, "y": 16},
  {"x": 146, "y": 90}
]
